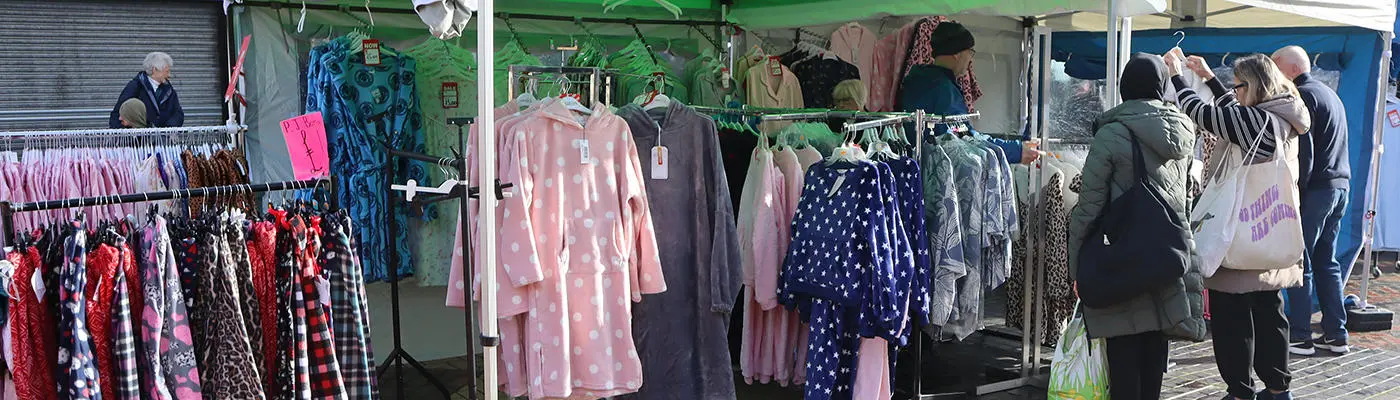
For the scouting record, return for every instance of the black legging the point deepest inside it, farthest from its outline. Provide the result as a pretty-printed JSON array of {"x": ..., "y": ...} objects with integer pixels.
[{"x": 1136, "y": 364}]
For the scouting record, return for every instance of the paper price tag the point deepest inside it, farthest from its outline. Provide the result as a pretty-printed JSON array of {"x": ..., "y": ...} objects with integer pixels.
[
  {"x": 371, "y": 50},
  {"x": 775, "y": 67},
  {"x": 1394, "y": 117},
  {"x": 306, "y": 144},
  {"x": 38, "y": 282},
  {"x": 323, "y": 290},
  {"x": 582, "y": 145},
  {"x": 450, "y": 97},
  {"x": 661, "y": 163},
  {"x": 725, "y": 77}
]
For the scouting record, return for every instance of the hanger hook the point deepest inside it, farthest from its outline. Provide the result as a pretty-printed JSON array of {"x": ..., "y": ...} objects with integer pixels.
[
  {"x": 1180, "y": 39},
  {"x": 1222, "y": 58}
]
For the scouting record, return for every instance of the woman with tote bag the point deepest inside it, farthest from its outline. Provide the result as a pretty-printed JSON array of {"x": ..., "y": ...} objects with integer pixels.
[{"x": 1263, "y": 114}]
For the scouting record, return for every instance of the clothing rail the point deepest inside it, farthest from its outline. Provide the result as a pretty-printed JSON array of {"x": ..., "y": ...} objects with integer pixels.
[
  {"x": 8, "y": 209},
  {"x": 933, "y": 120},
  {"x": 594, "y": 74},
  {"x": 895, "y": 120},
  {"x": 1071, "y": 141},
  {"x": 126, "y": 132},
  {"x": 781, "y": 114}
]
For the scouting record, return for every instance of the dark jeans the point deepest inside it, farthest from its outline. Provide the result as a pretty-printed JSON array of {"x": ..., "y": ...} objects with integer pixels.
[
  {"x": 1322, "y": 218},
  {"x": 1136, "y": 364},
  {"x": 1250, "y": 332}
]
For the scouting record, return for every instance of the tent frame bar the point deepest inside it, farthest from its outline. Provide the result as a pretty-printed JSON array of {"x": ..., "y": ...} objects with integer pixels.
[{"x": 500, "y": 15}]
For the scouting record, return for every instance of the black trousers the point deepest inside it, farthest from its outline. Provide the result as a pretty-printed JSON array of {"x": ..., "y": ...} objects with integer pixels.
[
  {"x": 1250, "y": 331},
  {"x": 1136, "y": 364}
]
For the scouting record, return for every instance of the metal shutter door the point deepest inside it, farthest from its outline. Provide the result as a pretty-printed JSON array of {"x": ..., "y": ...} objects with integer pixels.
[{"x": 64, "y": 62}]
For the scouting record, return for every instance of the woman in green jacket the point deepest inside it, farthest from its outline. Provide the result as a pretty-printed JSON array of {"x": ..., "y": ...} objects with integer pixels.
[{"x": 1137, "y": 330}]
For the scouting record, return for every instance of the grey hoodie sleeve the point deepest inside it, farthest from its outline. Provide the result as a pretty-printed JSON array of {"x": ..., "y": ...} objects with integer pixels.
[
  {"x": 1240, "y": 125},
  {"x": 727, "y": 269}
]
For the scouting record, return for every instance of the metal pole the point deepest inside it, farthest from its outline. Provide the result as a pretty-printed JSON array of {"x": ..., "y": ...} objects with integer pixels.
[
  {"x": 1373, "y": 183},
  {"x": 1111, "y": 67},
  {"x": 486, "y": 159}
]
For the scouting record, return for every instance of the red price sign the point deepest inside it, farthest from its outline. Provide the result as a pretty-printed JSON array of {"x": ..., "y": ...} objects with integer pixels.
[
  {"x": 306, "y": 144},
  {"x": 237, "y": 68},
  {"x": 449, "y": 94},
  {"x": 371, "y": 51}
]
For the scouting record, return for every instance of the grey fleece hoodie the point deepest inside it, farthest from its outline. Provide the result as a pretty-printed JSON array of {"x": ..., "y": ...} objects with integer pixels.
[{"x": 1167, "y": 138}]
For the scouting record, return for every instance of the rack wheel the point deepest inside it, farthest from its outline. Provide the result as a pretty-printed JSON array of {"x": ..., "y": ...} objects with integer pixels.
[{"x": 1375, "y": 272}]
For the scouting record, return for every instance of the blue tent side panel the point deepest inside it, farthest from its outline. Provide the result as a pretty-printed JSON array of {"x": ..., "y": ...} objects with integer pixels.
[{"x": 1353, "y": 51}]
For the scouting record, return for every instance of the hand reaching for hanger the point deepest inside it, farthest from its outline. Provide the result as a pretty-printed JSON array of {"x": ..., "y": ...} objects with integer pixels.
[
  {"x": 1198, "y": 64},
  {"x": 1029, "y": 152}
]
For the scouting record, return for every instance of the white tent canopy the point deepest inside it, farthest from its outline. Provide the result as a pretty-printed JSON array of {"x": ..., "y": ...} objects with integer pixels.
[{"x": 1378, "y": 15}]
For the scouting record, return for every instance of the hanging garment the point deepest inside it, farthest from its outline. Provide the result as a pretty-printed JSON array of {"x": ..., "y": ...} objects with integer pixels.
[
  {"x": 350, "y": 307},
  {"x": 102, "y": 271},
  {"x": 856, "y": 45},
  {"x": 165, "y": 332},
  {"x": 737, "y": 148},
  {"x": 969, "y": 169},
  {"x": 32, "y": 329},
  {"x": 77, "y": 363},
  {"x": 124, "y": 334},
  {"x": 761, "y": 207},
  {"x": 819, "y": 77},
  {"x": 229, "y": 369},
  {"x": 446, "y": 19},
  {"x": 326, "y": 382},
  {"x": 365, "y": 109},
  {"x": 446, "y": 81},
  {"x": 262, "y": 255},
  {"x": 580, "y": 323},
  {"x": 782, "y": 90},
  {"x": 682, "y": 333}
]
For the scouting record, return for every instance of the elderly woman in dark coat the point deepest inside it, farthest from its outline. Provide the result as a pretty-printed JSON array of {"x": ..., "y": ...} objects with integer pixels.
[{"x": 153, "y": 88}]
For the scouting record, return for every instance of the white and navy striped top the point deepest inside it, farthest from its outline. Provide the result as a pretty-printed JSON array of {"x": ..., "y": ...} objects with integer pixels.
[{"x": 1239, "y": 124}]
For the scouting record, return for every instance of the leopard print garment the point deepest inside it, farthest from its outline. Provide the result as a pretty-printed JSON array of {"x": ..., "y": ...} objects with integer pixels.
[
  {"x": 1059, "y": 297},
  {"x": 228, "y": 370},
  {"x": 1015, "y": 309}
]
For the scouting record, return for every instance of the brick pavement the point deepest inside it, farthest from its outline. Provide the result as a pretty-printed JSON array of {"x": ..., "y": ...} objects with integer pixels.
[{"x": 1371, "y": 371}]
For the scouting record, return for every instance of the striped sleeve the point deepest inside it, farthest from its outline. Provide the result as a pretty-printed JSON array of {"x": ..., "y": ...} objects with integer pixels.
[{"x": 1239, "y": 124}]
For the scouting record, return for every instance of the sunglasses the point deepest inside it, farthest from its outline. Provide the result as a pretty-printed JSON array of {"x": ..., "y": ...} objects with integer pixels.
[{"x": 1240, "y": 85}]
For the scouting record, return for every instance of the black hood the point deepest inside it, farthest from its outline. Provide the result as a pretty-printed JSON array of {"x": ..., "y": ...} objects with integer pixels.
[{"x": 1144, "y": 78}]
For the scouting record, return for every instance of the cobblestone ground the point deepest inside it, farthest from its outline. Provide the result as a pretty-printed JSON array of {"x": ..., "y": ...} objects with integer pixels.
[{"x": 1370, "y": 371}]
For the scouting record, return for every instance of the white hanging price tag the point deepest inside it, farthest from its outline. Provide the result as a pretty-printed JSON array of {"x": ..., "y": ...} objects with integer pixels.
[
  {"x": 583, "y": 157},
  {"x": 661, "y": 163},
  {"x": 323, "y": 290},
  {"x": 38, "y": 282}
]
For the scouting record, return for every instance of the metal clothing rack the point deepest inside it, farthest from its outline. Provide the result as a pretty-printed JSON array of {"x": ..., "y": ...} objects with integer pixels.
[
  {"x": 500, "y": 15},
  {"x": 8, "y": 209},
  {"x": 595, "y": 75},
  {"x": 214, "y": 134}
]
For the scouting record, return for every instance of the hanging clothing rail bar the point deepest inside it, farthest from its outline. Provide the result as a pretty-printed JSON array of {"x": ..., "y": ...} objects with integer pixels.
[
  {"x": 53, "y": 142},
  {"x": 125, "y": 132},
  {"x": 933, "y": 120},
  {"x": 167, "y": 195},
  {"x": 887, "y": 121}
]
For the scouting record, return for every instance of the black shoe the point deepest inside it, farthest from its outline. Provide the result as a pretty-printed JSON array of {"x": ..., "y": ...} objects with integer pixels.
[
  {"x": 1266, "y": 394},
  {"x": 1301, "y": 347},
  {"x": 1338, "y": 346}
]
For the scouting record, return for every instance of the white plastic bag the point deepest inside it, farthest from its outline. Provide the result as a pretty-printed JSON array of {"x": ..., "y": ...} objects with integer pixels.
[
  {"x": 1079, "y": 370},
  {"x": 1214, "y": 218},
  {"x": 1270, "y": 231}
]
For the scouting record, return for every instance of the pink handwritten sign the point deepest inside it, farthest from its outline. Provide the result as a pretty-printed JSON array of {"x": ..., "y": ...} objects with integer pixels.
[{"x": 306, "y": 144}]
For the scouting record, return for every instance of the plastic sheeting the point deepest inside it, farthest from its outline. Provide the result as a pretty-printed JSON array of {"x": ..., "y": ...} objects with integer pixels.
[
  {"x": 1377, "y": 15},
  {"x": 1388, "y": 206},
  {"x": 1353, "y": 52}
]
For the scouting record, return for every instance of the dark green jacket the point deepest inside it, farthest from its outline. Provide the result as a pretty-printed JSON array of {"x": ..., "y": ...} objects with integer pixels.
[{"x": 1167, "y": 137}]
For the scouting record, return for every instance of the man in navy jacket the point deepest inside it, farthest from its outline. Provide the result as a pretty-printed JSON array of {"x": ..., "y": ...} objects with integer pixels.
[
  {"x": 934, "y": 88},
  {"x": 153, "y": 87},
  {"x": 1323, "y": 182}
]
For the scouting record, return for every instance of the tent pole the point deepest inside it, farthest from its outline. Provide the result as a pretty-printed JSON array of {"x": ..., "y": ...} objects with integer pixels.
[
  {"x": 486, "y": 159},
  {"x": 1111, "y": 67},
  {"x": 1368, "y": 230}
]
